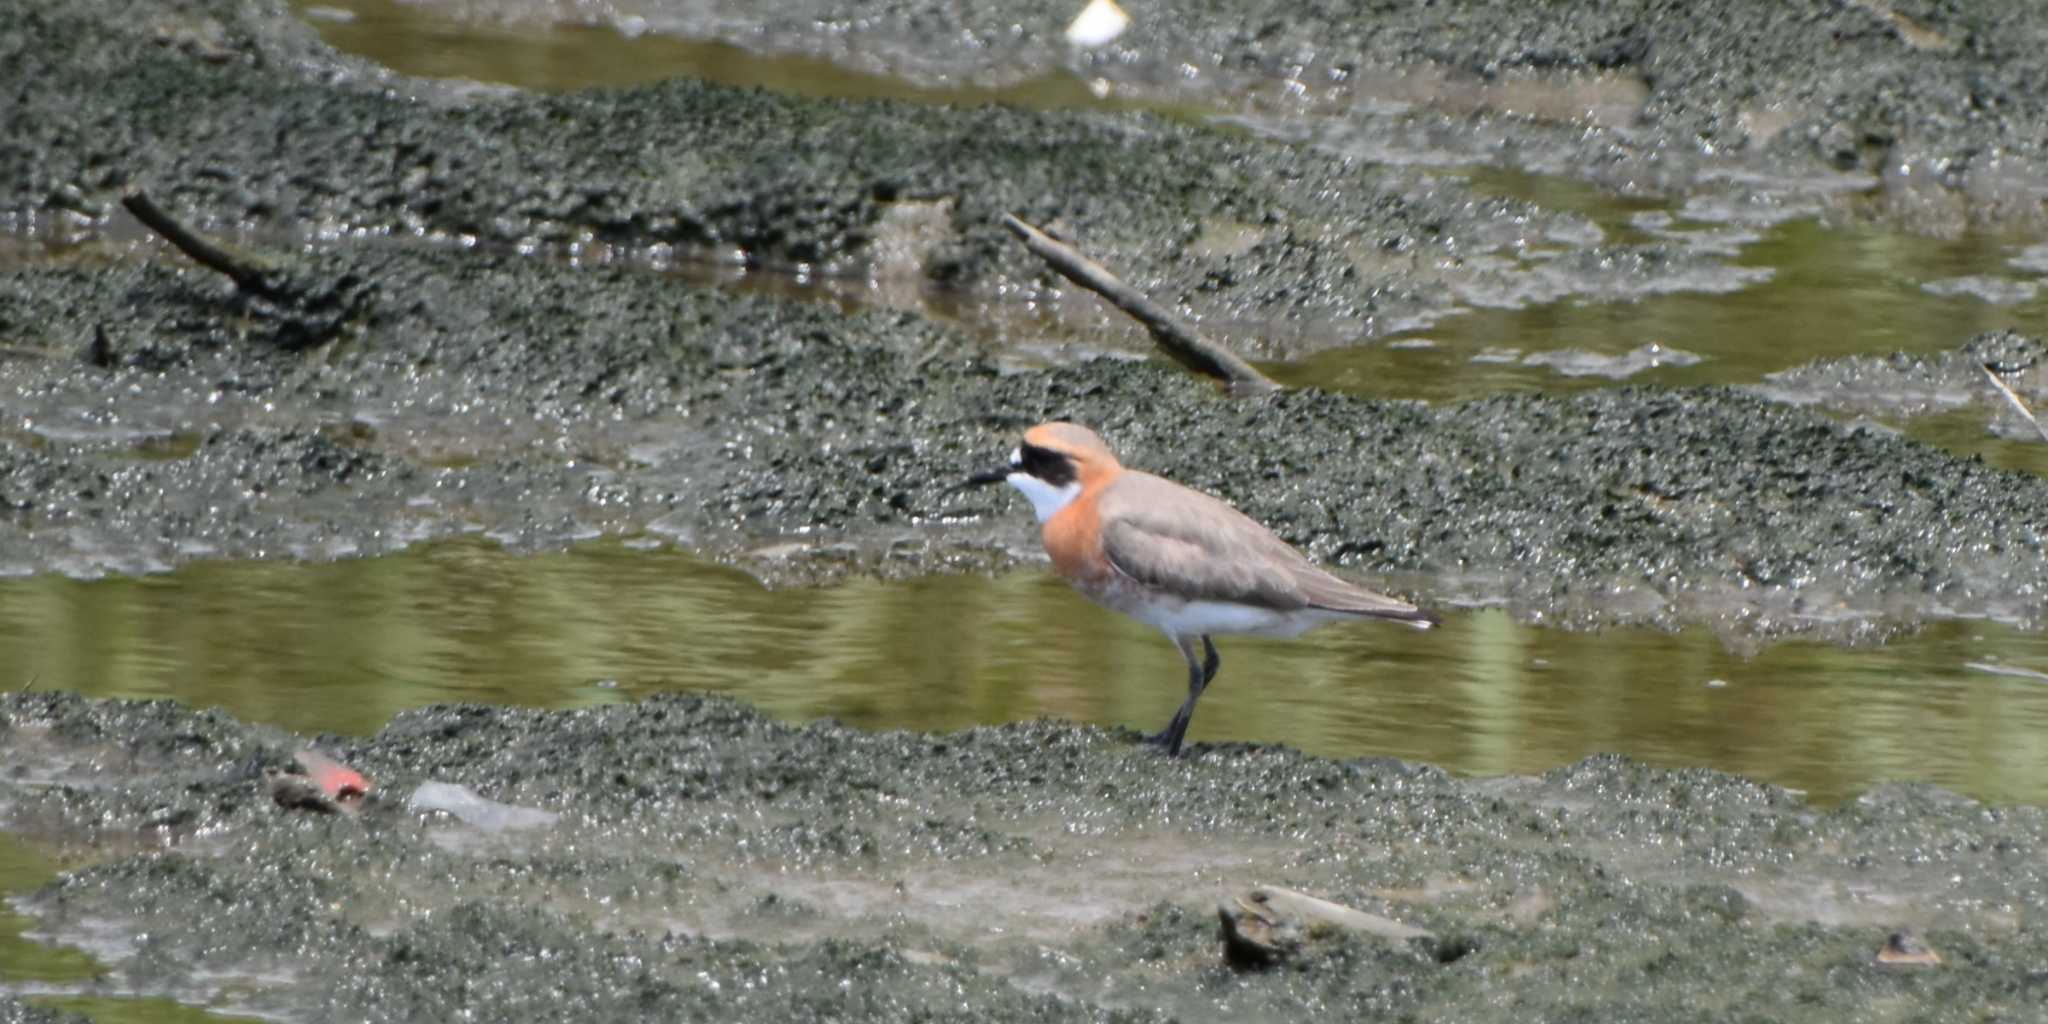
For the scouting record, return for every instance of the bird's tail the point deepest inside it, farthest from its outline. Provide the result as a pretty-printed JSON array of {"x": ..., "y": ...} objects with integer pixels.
[
  {"x": 1375, "y": 606},
  {"x": 1331, "y": 593},
  {"x": 1420, "y": 619},
  {"x": 1408, "y": 615}
]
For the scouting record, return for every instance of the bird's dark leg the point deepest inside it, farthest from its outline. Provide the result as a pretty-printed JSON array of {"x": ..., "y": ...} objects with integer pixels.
[{"x": 1199, "y": 674}]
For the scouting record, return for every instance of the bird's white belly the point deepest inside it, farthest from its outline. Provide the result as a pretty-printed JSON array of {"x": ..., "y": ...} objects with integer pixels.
[{"x": 1179, "y": 617}]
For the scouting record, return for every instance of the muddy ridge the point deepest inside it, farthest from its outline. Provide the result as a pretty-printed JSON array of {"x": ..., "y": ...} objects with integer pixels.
[
  {"x": 504, "y": 356},
  {"x": 1903, "y": 385},
  {"x": 1939, "y": 103},
  {"x": 707, "y": 862}
]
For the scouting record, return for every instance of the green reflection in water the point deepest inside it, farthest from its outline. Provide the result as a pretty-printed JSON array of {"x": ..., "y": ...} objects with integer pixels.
[
  {"x": 1610, "y": 211},
  {"x": 342, "y": 647},
  {"x": 30, "y": 966},
  {"x": 1834, "y": 292},
  {"x": 23, "y": 870},
  {"x": 121, "y": 1010},
  {"x": 1966, "y": 431},
  {"x": 418, "y": 40}
]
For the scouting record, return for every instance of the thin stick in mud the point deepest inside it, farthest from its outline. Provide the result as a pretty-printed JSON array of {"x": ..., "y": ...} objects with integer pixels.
[
  {"x": 1177, "y": 338},
  {"x": 2014, "y": 399},
  {"x": 247, "y": 275}
]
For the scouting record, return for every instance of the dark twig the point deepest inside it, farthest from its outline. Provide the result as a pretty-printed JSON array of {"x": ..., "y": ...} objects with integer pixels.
[
  {"x": 100, "y": 350},
  {"x": 1178, "y": 339},
  {"x": 247, "y": 276},
  {"x": 299, "y": 308},
  {"x": 2014, "y": 398}
]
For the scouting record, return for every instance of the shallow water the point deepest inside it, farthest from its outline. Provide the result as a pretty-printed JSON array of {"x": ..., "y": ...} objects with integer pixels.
[
  {"x": 2012, "y": 446},
  {"x": 1832, "y": 292},
  {"x": 342, "y": 647},
  {"x": 24, "y": 961},
  {"x": 535, "y": 53}
]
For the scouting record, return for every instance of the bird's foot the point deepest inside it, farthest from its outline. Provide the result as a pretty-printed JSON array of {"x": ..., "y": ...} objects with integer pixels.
[{"x": 1167, "y": 740}]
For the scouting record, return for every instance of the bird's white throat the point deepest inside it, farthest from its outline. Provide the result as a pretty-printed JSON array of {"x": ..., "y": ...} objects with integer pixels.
[{"x": 1045, "y": 498}]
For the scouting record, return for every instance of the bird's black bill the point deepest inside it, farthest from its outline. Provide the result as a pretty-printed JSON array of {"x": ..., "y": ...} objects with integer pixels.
[{"x": 993, "y": 476}]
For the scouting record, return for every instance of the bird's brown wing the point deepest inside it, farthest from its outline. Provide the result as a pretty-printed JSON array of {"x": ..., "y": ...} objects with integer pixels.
[{"x": 1168, "y": 536}]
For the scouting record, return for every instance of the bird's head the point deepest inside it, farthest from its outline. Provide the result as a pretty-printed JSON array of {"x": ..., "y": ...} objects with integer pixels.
[{"x": 1052, "y": 466}]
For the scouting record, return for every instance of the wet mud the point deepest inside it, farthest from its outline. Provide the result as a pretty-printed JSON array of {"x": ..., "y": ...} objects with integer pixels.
[
  {"x": 157, "y": 415},
  {"x": 1937, "y": 104},
  {"x": 1278, "y": 248},
  {"x": 1903, "y": 386},
  {"x": 20, "y": 1011},
  {"x": 1309, "y": 246},
  {"x": 710, "y": 863},
  {"x": 536, "y": 405},
  {"x": 509, "y": 363}
]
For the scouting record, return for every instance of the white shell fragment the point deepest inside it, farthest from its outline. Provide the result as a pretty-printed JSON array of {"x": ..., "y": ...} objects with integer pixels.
[
  {"x": 477, "y": 811},
  {"x": 1098, "y": 23}
]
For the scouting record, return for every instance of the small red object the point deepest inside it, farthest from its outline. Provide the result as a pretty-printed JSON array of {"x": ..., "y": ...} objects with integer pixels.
[{"x": 337, "y": 781}]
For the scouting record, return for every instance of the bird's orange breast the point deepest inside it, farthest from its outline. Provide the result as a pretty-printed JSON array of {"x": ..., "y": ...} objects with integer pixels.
[{"x": 1073, "y": 537}]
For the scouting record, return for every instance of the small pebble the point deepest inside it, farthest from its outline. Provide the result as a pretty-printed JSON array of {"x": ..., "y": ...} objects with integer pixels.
[{"x": 1904, "y": 949}]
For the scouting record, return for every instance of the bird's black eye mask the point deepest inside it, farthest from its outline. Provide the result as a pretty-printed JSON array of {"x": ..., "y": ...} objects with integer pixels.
[{"x": 1045, "y": 464}]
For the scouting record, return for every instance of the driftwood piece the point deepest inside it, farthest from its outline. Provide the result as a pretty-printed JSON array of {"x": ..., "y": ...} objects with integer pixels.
[
  {"x": 1172, "y": 335},
  {"x": 246, "y": 274},
  {"x": 2013, "y": 399},
  {"x": 1269, "y": 924},
  {"x": 301, "y": 309}
]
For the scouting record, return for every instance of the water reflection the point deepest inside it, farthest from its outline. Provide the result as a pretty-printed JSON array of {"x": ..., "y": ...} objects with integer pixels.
[
  {"x": 1969, "y": 431},
  {"x": 22, "y": 961},
  {"x": 1833, "y": 292},
  {"x": 548, "y": 56},
  {"x": 342, "y": 647}
]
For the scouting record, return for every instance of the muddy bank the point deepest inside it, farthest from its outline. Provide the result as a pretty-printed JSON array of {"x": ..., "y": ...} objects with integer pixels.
[
  {"x": 1281, "y": 248},
  {"x": 712, "y": 864},
  {"x": 1906, "y": 385},
  {"x": 18, "y": 1011},
  {"x": 1940, "y": 104},
  {"x": 539, "y": 405}
]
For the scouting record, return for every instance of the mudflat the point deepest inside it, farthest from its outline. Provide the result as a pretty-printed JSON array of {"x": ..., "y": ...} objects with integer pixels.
[{"x": 484, "y": 342}]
